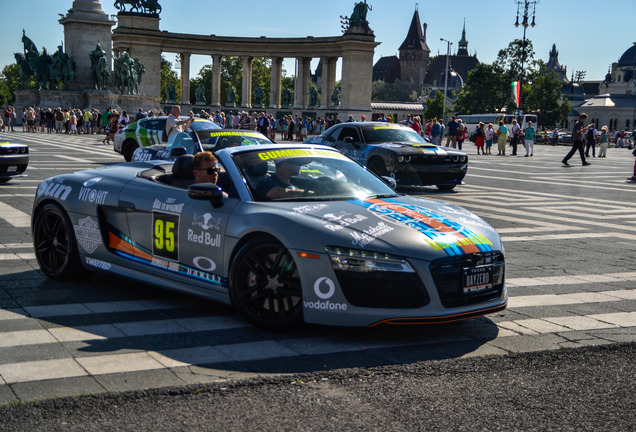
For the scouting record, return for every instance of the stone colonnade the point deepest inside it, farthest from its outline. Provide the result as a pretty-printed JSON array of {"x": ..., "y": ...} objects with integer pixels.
[{"x": 140, "y": 36}]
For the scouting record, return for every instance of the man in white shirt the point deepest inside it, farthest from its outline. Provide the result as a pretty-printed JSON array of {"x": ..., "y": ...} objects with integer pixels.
[{"x": 174, "y": 124}]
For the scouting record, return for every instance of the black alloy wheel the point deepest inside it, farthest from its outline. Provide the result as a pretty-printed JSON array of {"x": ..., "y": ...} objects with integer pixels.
[
  {"x": 55, "y": 245},
  {"x": 377, "y": 166},
  {"x": 265, "y": 285}
]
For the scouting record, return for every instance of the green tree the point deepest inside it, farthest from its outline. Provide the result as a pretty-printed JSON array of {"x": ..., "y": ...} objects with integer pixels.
[
  {"x": 434, "y": 107},
  {"x": 398, "y": 91},
  {"x": 9, "y": 83},
  {"x": 486, "y": 90},
  {"x": 168, "y": 76},
  {"x": 542, "y": 96},
  {"x": 511, "y": 58}
]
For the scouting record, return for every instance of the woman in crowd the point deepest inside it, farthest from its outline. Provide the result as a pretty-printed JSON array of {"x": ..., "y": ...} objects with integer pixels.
[
  {"x": 604, "y": 142},
  {"x": 461, "y": 134},
  {"x": 502, "y": 138},
  {"x": 490, "y": 134},
  {"x": 480, "y": 138}
]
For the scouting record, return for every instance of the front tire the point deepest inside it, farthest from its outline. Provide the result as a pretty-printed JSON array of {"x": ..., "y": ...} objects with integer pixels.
[
  {"x": 446, "y": 187},
  {"x": 377, "y": 166},
  {"x": 265, "y": 285},
  {"x": 55, "y": 244},
  {"x": 128, "y": 148}
]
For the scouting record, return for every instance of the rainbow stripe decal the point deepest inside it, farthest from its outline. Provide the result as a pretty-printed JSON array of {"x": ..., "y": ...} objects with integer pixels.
[
  {"x": 125, "y": 247},
  {"x": 440, "y": 233}
]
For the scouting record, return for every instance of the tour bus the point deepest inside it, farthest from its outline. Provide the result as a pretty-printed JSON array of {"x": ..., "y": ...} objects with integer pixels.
[{"x": 472, "y": 120}]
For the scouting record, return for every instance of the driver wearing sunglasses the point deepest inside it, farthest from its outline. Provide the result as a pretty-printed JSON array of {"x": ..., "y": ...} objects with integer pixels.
[{"x": 205, "y": 168}]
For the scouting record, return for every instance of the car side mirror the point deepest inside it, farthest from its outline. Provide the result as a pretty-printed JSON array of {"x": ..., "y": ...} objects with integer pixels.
[
  {"x": 207, "y": 192},
  {"x": 178, "y": 151},
  {"x": 390, "y": 181}
]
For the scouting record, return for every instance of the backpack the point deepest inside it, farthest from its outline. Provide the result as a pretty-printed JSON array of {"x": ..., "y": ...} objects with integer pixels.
[{"x": 590, "y": 134}]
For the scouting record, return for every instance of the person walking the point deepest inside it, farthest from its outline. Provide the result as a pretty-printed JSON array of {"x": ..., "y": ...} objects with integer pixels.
[
  {"x": 502, "y": 138},
  {"x": 590, "y": 138},
  {"x": 451, "y": 140},
  {"x": 529, "y": 140},
  {"x": 577, "y": 141},
  {"x": 604, "y": 142}
]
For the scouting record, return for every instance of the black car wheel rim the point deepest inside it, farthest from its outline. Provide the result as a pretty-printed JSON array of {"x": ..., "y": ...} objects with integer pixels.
[
  {"x": 52, "y": 241},
  {"x": 269, "y": 288}
]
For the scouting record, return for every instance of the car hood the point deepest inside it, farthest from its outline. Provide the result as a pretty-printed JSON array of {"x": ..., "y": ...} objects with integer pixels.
[
  {"x": 402, "y": 225},
  {"x": 418, "y": 149}
]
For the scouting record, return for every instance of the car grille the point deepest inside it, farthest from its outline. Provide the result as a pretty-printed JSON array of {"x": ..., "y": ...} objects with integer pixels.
[
  {"x": 383, "y": 289},
  {"x": 447, "y": 273},
  {"x": 432, "y": 160}
]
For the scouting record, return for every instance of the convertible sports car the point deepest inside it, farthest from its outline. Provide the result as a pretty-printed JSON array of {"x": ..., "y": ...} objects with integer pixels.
[
  {"x": 196, "y": 141},
  {"x": 14, "y": 159},
  {"x": 398, "y": 151},
  {"x": 149, "y": 131},
  {"x": 340, "y": 248}
]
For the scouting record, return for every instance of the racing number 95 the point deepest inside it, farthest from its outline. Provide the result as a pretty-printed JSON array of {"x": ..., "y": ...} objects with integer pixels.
[{"x": 165, "y": 228}]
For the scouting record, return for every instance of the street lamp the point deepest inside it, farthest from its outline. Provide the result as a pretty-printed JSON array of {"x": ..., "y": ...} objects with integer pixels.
[
  {"x": 526, "y": 4},
  {"x": 448, "y": 45}
]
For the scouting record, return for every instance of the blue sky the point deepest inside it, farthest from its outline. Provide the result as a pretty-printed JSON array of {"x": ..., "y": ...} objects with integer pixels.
[{"x": 589, "y": 35}]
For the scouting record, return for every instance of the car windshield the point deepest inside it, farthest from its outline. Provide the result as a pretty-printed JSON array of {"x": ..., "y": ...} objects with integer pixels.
[
  {"x": 307, "y": 174},
  {"x": 203, "y": 124},
  {"x": 392, "y": 133},
  {"x": 217, "y": 140}
]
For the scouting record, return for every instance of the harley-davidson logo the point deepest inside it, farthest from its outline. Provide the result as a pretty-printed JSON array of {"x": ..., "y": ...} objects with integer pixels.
[{"x": 87, "y": 234}]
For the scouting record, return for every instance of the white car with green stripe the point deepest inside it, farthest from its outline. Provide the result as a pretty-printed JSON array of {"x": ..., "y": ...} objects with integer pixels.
[{"x": 147, "y": 132}]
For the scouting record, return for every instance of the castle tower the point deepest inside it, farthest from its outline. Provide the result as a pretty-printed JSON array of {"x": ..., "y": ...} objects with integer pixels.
[
  {"x": 414, "y": 54},
  {"x": 462, "y": 49},
  {"x": 553, "y": 65},
  {"x": 84, "y": 25}
]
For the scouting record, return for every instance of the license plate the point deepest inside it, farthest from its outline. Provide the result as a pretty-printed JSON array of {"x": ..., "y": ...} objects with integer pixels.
[
  {"x": 477, "y": 279},
  {"x": 12, "y": 169}
]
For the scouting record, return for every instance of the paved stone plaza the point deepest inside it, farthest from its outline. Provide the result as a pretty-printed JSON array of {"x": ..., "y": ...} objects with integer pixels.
[{"x": 569, "y": 234}]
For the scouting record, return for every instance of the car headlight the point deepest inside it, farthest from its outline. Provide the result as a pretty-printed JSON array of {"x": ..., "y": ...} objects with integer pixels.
[
  {"x": 459, "y": 159},
  {"x": 345, "y": 259}
]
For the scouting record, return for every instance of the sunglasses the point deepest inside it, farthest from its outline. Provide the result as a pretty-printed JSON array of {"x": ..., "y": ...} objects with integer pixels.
[{"x": 211, "y": 170}]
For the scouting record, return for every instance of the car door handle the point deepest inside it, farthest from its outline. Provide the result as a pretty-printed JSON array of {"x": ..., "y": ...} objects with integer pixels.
[{"x": 127, "y": 205}]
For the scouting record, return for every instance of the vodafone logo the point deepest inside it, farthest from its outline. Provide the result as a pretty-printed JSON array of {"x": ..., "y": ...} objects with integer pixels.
[{"x": 324, "y": 288}]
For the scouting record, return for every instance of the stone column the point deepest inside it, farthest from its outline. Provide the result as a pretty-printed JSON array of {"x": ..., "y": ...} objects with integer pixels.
[
  {"x": 246, "y": 90},
  {"x": 216, "y": 80},
  {"x": 357, "y": 75},
  {"x": 300, "y": 95},
  {"x": 328, "y": 81},
  {"x": 185, "y": 78},
  {"x": 275, "y": 83}
]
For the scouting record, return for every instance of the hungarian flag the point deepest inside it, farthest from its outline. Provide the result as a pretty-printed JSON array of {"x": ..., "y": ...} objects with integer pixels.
[{"x": 516, "y": 91}]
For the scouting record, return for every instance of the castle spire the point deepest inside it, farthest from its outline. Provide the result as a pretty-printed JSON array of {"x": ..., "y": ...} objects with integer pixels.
[{"x": 463, "y": 43}]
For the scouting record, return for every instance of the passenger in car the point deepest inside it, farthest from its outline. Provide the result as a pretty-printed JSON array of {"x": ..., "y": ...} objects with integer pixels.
[{"x": 279, "y": 185}]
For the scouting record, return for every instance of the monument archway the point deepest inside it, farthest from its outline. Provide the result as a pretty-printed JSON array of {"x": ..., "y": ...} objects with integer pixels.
[{"x": 141, "y": 38}]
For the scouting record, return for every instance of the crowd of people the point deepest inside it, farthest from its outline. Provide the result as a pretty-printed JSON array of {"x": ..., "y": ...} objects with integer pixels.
[{"x": 297, "y": 128}]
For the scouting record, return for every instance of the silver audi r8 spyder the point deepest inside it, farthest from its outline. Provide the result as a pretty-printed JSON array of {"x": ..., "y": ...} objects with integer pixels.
[{"x": 287, "y": 234}]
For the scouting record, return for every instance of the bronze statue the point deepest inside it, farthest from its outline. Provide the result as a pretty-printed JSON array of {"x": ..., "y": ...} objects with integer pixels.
[
  {"x": 258, "y": 97},
  {"x": 230, "y": 95},
  {"x": 287, "y": 97},
  {"x": 360, "y": 12},
  {"x": 199, "y": 94},
  {"x": 99, "y": 67},
  {"x": 139, "y": 6},
  {"x": 171, "y": 94},
  {"x": 123, "y": 72},
  {"x": 24, "y": 69},
  {"x": 335, "y": 97},
  {"x": 313, "y": 97}
]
